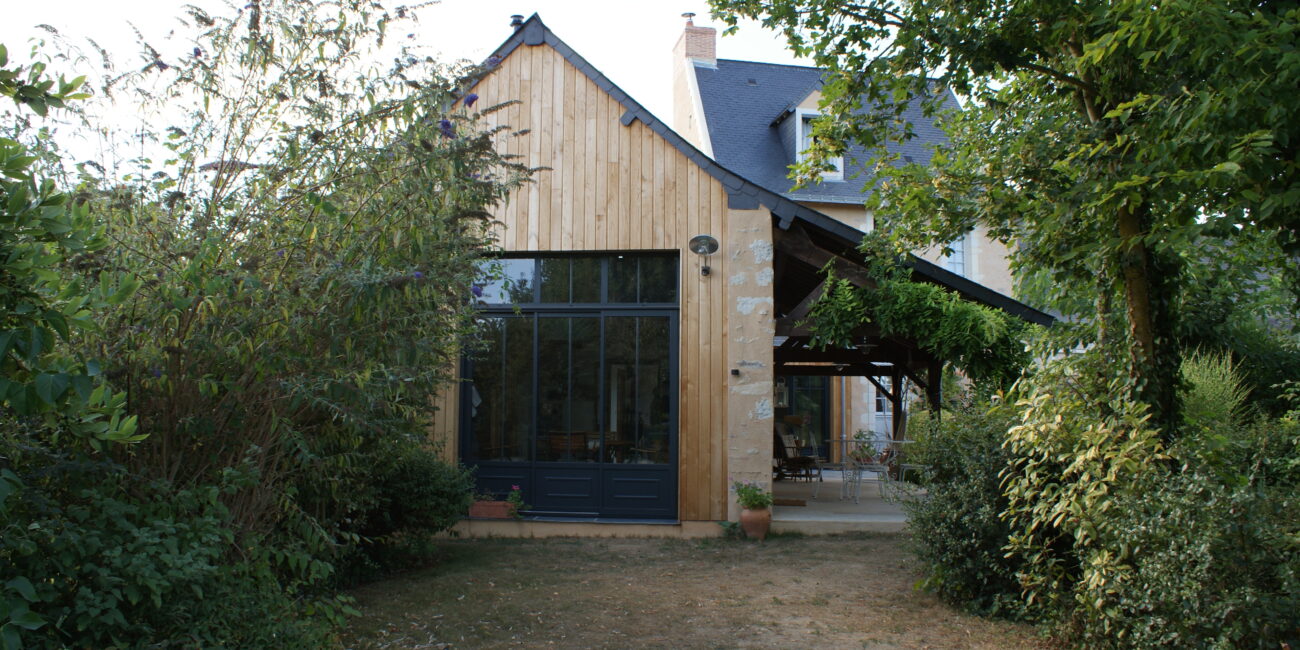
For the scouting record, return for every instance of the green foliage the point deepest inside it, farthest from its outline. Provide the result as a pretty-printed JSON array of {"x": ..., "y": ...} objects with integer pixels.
[
  {"x": 1236, "y": 309},
  {"x": 103, "y": 560},
  {"x": 1081, "y": 445},
  {"x": 1216, "y": 394},
  {"x": 986, "y": 344},
  {"x": 1126, "y": 543},
  {"x": 308, "y": 239},
  {"x": 956, "y": 529},
  {"x": 752, "y": 495},
  {"x": 841, "y": 309},
  {"x": 1213, "y": 565},
  {"x": 41, "y": 232}
]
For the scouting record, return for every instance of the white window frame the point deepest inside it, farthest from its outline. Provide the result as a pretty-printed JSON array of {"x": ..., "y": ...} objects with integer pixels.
[
  {"x": 959, "y": 261},
  {"x": 802, "y": 116}
]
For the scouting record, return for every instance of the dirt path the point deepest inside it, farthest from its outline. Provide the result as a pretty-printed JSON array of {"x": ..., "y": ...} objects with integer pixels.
[{"x": 831, "y": 592}]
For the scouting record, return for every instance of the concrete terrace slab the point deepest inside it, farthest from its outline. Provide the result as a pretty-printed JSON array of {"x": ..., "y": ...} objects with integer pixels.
[{"x": 829, "y": 513}]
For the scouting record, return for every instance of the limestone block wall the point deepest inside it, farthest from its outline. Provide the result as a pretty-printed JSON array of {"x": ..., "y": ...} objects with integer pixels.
[{"x": 750, "y": 326}]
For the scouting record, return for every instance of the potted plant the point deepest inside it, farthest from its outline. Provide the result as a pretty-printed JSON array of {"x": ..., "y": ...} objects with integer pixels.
[
  {"x": 756, "y": 508},
  {"x": 487, "y": 506}
]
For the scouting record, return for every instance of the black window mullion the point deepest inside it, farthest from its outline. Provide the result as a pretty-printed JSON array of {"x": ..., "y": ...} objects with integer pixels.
[
  {"x": 636, "y": 370},
  {"x": 602, "y": 409},
  {"x": 505, "y": 354},
  {"x": 537, "y": 402},
  {"x": 568, "y": 379}
]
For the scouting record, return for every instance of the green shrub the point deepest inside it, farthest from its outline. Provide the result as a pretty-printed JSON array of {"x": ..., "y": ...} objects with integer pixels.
[
  {"x": 415, "y": 495},
  {"x": 1215, "y": 393},
  {"x": 1080, "y": 445},
  {"x": 1126, "y": 543},
  {"x": 1212, "y": 565},
  {"x": 108, "y": 561},
  {"x": 955, "y": 527}
]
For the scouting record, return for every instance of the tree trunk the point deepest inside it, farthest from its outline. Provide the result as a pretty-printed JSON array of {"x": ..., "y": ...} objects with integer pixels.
[
  {"x": 1135, "y": 266},
  {"x": 1150, "y": 313}
]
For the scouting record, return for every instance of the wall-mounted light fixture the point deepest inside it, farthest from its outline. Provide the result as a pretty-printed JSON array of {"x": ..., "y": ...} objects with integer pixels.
[{"x": 704, "y": 246}]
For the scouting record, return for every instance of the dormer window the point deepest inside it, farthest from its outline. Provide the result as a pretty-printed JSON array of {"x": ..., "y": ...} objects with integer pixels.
[{"x": 805, "y": 140}]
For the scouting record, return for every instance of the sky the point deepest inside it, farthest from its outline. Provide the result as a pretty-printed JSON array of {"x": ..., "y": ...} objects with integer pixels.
[{"x": 630, "y": 41}]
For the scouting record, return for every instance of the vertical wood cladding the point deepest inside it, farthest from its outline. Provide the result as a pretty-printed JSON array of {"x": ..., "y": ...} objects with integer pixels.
[{"x": 615, "y": 187}]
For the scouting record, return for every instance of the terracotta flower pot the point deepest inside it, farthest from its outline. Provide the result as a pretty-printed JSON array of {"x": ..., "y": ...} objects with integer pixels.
[
  {"x": 756, "y": 523},
  {"x": 491, "y": 510}
]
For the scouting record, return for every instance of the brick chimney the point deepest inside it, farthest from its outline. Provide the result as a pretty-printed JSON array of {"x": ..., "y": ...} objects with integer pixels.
[{"x": 699, "y": 44}]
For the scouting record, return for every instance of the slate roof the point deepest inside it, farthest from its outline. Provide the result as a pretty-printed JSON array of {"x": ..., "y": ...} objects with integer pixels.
[
  {"x": 743, "y": 99},
  {"x": 744, "y": 193}
]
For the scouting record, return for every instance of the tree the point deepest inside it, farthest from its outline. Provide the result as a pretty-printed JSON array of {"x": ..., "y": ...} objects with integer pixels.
[
  {"x": 308, "y": 234},
  {"x": 1101, "y": 138}
]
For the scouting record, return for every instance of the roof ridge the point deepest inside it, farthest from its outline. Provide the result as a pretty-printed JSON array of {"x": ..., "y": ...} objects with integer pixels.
[{"x": 783, "y": 65}]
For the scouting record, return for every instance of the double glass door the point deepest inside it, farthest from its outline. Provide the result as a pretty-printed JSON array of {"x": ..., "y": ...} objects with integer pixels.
[{"x": 578, "y": 409}]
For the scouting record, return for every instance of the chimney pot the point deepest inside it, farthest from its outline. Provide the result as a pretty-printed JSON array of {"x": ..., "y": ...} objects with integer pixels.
[
  {"x": 698, "y": 44},
  {"x": 516, "y": 21}
]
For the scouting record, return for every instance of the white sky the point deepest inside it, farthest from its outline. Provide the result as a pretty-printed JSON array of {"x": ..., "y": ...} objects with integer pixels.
[{"x": 630, "y": 41}]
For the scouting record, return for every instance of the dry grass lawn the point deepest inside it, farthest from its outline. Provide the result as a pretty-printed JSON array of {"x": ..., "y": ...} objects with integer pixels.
[{"x": 830, "y": 592}]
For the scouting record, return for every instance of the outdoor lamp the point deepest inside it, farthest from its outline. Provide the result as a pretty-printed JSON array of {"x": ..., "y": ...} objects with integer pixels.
[{"x": 704, "y": 246}]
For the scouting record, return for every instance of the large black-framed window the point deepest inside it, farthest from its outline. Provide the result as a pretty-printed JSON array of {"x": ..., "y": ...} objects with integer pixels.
[{"x": 571, "y": 388}]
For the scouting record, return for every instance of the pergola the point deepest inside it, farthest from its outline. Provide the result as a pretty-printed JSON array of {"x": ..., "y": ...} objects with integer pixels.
[{"x": 802, "y": 248}]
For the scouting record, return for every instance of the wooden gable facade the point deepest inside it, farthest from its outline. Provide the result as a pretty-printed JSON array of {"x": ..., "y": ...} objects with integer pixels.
[{"x": 612, "y": 183}]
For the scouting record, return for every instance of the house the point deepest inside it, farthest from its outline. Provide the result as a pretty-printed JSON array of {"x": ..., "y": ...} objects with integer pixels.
[{"x": 628, "y": 363}]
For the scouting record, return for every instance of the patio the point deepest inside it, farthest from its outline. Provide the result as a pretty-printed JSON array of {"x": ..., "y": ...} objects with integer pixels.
[{"x": 829, "y": 512}]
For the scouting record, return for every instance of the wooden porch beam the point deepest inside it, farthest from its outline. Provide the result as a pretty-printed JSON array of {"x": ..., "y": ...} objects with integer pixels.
[
  {"x": 797, "y": 244},
  {"x": 801, "y": 310},
  {"x": 881, "y": 387}
]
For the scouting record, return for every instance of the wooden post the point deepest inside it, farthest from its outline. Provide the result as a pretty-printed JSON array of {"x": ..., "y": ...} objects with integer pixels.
[
  {"x": 934, "y": 392},
  {"x": 896, "y": 399}
]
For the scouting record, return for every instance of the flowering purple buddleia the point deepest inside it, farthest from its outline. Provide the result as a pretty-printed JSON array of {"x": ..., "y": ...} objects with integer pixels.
[
  {"x": 418, "y": 275},
  {"x": 470, "y": 99},
  {"x": 477, "y": 290},
  {"x": 447, "y": 129}
]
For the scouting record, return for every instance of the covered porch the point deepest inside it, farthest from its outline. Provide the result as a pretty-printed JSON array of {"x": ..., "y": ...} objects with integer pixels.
[
  {"x": 828, "y": 475},
  {"x": 818, "y": 450}
]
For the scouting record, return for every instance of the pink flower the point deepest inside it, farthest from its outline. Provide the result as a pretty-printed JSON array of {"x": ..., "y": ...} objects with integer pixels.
[{"x": 514, "y": 487}]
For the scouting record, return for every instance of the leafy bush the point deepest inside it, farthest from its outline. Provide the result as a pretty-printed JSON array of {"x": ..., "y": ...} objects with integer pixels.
[
  {"x": 1081, "y": 444},
  {"x": 414, "y": 495},
  {"x": 956, "y": 529},
  {"x": 1212, "y": 565},
  {"x": 1128, "y": 543},
  {"x": 1215, "y": 394},
  {"x": 107, "y": 561}
]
